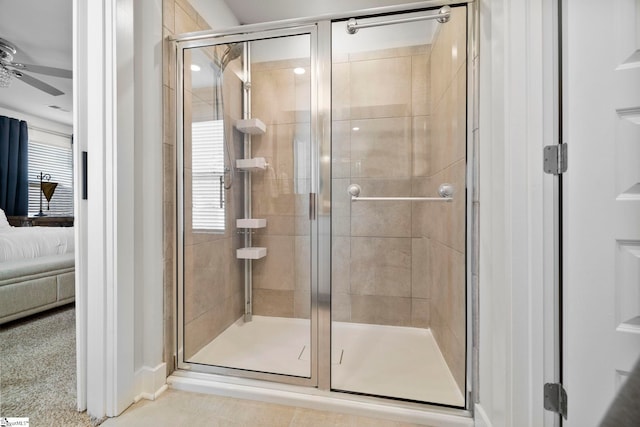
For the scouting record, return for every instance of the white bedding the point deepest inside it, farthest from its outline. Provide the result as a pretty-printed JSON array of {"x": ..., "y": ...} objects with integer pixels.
[{"x": 32, "y": 242}]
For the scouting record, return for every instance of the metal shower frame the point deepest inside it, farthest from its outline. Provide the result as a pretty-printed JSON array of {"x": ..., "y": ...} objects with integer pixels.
[{"x": 319, "y": 30}]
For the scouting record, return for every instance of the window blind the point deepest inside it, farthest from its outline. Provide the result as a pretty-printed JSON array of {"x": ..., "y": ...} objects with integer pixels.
[
  {"x": 207, "y": 162},
  {"x": 56, "y": 161}
]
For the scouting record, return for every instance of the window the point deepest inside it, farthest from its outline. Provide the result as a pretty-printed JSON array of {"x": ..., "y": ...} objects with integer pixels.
[
  {"x": 50, "y": 153},
  {"x": 207, "y": 154}
]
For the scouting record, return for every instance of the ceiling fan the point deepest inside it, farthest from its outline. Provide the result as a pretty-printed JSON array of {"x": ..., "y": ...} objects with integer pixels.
[{"x": 10, "y": 69}]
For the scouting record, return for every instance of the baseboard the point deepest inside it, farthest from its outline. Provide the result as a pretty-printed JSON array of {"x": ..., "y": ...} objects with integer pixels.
[
  {"x": 317, "y": 399},
  {"x": 150, "y": 382},
  {"x": 481, "y": 418}
]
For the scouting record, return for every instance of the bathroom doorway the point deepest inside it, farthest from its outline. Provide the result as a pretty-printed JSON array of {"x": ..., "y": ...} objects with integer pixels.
[{"x": 322, "y": 205}]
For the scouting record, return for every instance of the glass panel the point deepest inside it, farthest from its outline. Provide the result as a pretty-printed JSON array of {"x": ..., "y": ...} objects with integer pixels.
[
  {"x": 398, "y": 266},
  {"x": 247, "y": 287}
]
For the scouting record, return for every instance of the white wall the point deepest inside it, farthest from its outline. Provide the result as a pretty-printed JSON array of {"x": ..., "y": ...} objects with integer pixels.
[
  {"x": 37, "y": 121},
  {"x": 516, "y": 121},
  {"x": 119, "y": 120}
]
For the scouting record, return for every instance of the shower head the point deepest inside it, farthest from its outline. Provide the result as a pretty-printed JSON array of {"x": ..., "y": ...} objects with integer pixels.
[{"x": 233, "y": 51}]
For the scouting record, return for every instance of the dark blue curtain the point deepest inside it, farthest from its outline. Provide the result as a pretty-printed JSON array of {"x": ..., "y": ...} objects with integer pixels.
[{"x": 14, "y": 166}]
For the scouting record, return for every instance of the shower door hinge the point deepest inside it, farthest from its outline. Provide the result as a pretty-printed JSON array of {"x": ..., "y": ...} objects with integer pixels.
[
  {"x": 555, "y": 159},
  {"x": 555, "y": 399}
]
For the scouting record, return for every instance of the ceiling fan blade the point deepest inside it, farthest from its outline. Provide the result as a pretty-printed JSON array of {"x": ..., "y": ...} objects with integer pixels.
[
  {"x": 39, "y": 84},
  {"x": 49, "y": 71}
]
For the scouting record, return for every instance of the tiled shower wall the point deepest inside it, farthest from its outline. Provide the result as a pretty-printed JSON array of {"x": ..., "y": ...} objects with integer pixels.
[
  {"x": 442, "y": 226},
  {"x": 381, "y": 136},
  {"x": 213, "y": 277},
  {"x": 281, "y": 99}
]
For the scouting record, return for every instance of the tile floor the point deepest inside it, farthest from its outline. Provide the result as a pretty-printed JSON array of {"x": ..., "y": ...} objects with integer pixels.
[{"x": 180, "y": 408}]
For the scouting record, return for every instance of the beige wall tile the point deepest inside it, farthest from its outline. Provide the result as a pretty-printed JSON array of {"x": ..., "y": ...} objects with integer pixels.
[
  {"x": 169, "y": 102},
  {"x": 394, "y": 52},
  {"x": 340, "y": 307},
  {"x": 381, "y": 148},
  {"x": 420, "y": 82},
  {"x": 168, "y": 60},
  {"x": 381, "y": 266},
  {"x": 341, "y": 149},
  {"x": 420, "y": 268},
  {"x": 269, "y": 302},
  {"x": 276, "y": 146},
  {"x": 341, "y": 265},
  {"x": 283, "y": 225},
  {"x": 276, "y": 270},
  {"x": 341, "y": 91},
  {"x": 381, "y": 310},
  {"x": 382, "y": 218},
  {"x": 340, "y": 208},
  {"x": 421, "y": 145},
  {"x": 448, "y": 53},
  {"x": 169, "y": 322},
  {"x": 302, "y": 263},
  {"x": 391, "y": 79},
  {"x": 453, "y": 351},
  {"x": 168, "y": 14},
  {"x": 420, "y": 313},
  {"x": 422, "y": 213},
  {"x": 459, "y": 114},
  {"x": 201, "y": 331},
  {"x": 303, "y": 96},
  {"x": 169, "y": 220},
  {"x": 271, "y": 196},
  {"x": 302, "y": 225},
  {"x": 302, "y": 304},
  {"x": 273, "y": 97},
  {"x": 169, "y": 175},
  {"x": 188, "y": 9},
  {"x": 289, "y": 64}
]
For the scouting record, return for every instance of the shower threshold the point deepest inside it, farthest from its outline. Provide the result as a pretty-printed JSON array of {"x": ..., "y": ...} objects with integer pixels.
[{"x": 393, "y": 361}]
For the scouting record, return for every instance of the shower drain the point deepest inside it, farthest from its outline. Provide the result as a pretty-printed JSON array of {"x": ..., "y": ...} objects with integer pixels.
[{"x": 336, "y": 355}]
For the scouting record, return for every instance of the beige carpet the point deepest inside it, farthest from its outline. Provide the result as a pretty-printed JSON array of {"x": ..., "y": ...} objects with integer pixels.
[{"x": 38, "y": 369}]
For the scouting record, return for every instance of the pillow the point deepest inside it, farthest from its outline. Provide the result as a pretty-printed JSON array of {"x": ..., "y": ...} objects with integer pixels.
[{"x": 3, "y": 220}]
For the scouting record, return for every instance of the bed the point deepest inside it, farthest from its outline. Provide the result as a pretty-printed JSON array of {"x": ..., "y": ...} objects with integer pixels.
[{"x": 36, "y": 269}]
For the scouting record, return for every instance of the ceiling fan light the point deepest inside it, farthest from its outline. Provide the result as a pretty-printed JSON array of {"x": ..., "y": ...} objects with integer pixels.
[{"x": 5, "y": 77}]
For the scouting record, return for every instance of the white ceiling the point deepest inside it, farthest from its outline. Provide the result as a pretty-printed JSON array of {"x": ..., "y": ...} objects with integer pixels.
[{"x": 41, "y": 30}]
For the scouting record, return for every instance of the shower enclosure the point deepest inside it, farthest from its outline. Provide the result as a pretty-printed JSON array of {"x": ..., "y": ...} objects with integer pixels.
[{"x": 323, "y": 220}]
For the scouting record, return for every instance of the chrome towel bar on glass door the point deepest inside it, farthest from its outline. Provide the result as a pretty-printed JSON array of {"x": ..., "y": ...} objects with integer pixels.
[
  {"x": 445, "y": 191},
  {"x": 443, "y": 15}
]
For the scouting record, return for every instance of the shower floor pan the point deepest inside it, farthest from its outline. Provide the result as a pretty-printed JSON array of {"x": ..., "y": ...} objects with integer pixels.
[{"x": 392, "y": 361}]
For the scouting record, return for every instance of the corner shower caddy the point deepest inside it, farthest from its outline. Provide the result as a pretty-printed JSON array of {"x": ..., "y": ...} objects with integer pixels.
[{"x": 249, "y": 126}]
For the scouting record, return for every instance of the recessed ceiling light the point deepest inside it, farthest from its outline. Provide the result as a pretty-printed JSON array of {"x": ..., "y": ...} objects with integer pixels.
[
  {"x": 355, "y": 129},
  {"x": 195, "y": 67},
  {"x": 299, "y": 70}
]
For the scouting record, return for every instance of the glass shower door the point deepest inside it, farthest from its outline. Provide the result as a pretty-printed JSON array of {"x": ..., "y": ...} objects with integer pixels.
[
  {"x": 398, "y": 206},
  {"x": 245, "y": 292}
]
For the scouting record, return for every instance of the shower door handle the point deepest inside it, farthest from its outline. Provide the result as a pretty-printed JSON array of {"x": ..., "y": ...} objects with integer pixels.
[
  {"x": 221, "y": 191},
  {"x": 312, "y": 206}
]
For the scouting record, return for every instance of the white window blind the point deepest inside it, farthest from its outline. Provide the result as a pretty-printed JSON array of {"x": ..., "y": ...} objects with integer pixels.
[
  {"x": 207, "y": 156},
  {"x": 56, "y": 161}
]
